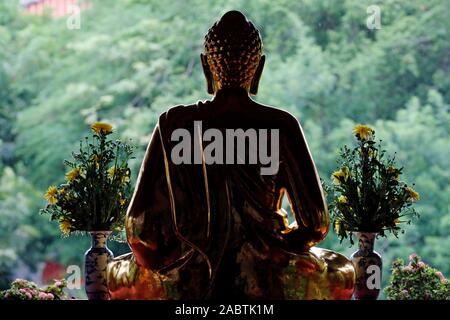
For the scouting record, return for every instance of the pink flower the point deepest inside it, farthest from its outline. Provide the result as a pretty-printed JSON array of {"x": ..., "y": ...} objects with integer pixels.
[
  {"x": 441, "y": 276},
  {"x": 408, "y": 269},
  {"x": 42, "y": 296},
  {"x": 26, "y": 292},
  {"x": 421, "y": 265},
  {"x": 58, "y": 283},
  {"x": 412, "y": 256},
  {"x": 46, "y": 296}
]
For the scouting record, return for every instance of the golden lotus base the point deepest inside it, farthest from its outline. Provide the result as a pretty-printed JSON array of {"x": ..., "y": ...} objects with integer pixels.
[{"x": 318, "y": 274}]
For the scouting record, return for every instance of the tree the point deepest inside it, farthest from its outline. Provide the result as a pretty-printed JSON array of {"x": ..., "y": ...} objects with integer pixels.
[{"x": 323, "y": 65}]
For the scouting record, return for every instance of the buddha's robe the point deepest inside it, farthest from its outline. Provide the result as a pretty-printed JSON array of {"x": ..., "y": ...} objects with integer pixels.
[{"x": 218, "y": 230}]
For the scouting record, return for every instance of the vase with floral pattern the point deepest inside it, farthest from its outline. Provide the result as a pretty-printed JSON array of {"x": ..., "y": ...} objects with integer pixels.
[
  {"x": 96, "y": 262},
  {"x": 368, "y": 268}
]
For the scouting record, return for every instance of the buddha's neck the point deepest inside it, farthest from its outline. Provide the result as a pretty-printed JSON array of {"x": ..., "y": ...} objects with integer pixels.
[{"x": 227, "y": 93}]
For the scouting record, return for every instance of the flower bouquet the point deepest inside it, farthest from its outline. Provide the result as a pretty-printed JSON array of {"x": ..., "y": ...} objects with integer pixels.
[
  {"x": 94, "y": 199},
  {"x": 27, "y": 290},
  {"x": 369, "y": 198},
  {"x": 97, "y": 188},
  {"x": 417, "y": 281},
  {"x": 367, "y": 193}
]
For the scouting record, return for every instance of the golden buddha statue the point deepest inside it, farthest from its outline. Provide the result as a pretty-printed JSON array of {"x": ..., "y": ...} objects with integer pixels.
[{"x": 211, "y": 228}]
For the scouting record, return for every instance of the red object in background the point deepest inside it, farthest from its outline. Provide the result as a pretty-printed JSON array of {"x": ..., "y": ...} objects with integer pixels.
[
  {"x": 59, "y": 8},
  {"x": 51, "y": 271}
]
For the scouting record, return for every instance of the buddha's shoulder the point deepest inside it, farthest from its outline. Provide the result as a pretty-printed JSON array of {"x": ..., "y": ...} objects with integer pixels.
[
  {"x": 180, "y": 115},
  {"x": 279, "y": 114},
  {"x": 185, "y": 112}
]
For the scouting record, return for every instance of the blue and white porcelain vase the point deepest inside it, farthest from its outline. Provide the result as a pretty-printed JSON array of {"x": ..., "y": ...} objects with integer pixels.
[
  {"x": 96, "y": 260},
  {"x": 368, "y": 268}
]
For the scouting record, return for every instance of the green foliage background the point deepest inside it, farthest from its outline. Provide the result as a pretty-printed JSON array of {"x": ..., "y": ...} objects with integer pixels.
[{"x": 132, "y": 59}]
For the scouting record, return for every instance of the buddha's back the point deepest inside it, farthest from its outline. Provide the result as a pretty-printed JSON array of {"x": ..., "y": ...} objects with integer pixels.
[{"x": 249, "y": 263}]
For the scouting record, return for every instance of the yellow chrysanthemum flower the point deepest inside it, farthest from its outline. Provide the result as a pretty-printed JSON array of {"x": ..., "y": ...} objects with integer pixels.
[
  {"x": 337, "y": 226},
  {"x": 362, "y": 131},
  {"x": 112, "y": 172},
  {"x": 340, "y": 175},
  {"x": 102, "y": 127},
  {"x": 73, "y": 174},
  {"x": 125, "y": 179},
  {"x": 342, "y": 199},
  {"x": 51, "y": 194},
  {"x": 65, "y": 226},
  {"x": 413, "y": 194},
  {"x": 122, "y": 202}
]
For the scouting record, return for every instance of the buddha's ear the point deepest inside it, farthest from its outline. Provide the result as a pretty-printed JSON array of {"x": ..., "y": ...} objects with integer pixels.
[
  {"x": 207, "y": 73},
  {"x": 257, "y": 76}
]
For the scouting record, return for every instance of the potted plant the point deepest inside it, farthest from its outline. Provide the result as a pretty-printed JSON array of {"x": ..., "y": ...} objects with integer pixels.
[
  {"x": 369, "y": 199},
  {"x": 22, "y": 289},
  {"x": 94, "y": 199},
  {"x": 417, "y": 281}
]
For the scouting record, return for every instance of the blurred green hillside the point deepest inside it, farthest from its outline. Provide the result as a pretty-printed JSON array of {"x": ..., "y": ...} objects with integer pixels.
[{"x": 132, "y": 59}]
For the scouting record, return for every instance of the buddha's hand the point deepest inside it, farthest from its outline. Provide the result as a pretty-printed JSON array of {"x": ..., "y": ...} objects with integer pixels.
[
  {"x": 126, "y": 280},
  {"x": 319, "y": 274}
]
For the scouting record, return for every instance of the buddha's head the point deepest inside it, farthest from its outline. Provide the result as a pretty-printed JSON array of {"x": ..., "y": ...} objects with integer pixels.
[{"x": 232, "y": 55}]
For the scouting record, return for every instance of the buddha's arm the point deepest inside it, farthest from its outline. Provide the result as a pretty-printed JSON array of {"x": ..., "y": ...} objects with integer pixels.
[
  {"x": 149, "y": 223},
  {"x": 299, "y": 179},
  {"x": 149, "y": 232},
  {"x": 324, "y": 274}
]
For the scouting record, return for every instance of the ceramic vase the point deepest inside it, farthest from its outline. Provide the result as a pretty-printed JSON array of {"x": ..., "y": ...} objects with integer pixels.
[
  {"x": 96, "y": 261},
  {"x": 368, "y": 268}
]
